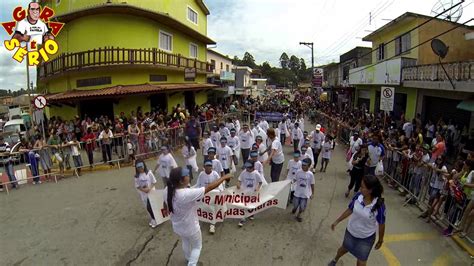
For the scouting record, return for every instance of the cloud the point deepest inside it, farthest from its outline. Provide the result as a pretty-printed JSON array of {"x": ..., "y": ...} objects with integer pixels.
[{"x": 266, "y": 28}]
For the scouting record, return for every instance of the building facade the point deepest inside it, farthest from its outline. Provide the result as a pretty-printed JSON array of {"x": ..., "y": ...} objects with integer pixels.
[
  {"x": 117, "y": 56},
  {"x": 398, "y": 57},
  {"x": 222, "y": 75}
]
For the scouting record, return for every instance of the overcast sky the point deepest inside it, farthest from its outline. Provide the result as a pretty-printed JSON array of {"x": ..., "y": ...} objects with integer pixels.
[{"x": 266, "y": 28}]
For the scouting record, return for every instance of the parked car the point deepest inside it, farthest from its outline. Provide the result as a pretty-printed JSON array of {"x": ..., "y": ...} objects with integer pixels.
[{"x": 15, "y": 126}]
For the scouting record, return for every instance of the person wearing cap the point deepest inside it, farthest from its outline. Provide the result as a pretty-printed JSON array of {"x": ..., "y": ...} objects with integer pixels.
[
  {"x": 303, "y": 188},
  {"x": 354, "y": 144},
  {"x": 297, "y": 136},
  {"x": 234, "y": 143},
  {"x": 245, "y": 137},
  {"x": 216, "y": 164},
  {"x": 258, "y": 131},
  {"x": 327, "y": 147},
  {"x": 317, "y": 137},
  {"x": 276, "y": 157},
  {"x": 206, "y": 144},
  {"x": 224, "y": 154},
  {"x": 164, "y": 164},
  {"x": 249, "y": 182},
  {"x": 205, "y": 178},
  {"x": 293, "y": 166},
  {"x": 182, "y": 203},
  {"x": 258, "y": 166},
  {"x": 145, "y": 182},
  {"x": 215, "y": 136}
]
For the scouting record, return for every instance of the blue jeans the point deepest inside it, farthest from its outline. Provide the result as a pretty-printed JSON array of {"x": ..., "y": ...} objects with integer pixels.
[{"x": 11, "y": 174}]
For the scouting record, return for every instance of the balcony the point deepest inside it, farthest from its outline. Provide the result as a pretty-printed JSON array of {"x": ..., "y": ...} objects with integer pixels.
[
  {"x": 433, "y": 77},
  {"x": 116, "y": 57}
]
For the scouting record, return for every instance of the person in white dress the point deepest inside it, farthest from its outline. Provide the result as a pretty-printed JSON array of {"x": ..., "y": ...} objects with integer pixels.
[
  {"x": 145, "y": 182},
  {"x": 165, "y": 163},
  {"x": 182, "y": 202}
]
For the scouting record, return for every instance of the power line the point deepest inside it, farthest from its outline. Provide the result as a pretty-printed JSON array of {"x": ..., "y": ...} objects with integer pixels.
[{"x": 416, "y": 46}]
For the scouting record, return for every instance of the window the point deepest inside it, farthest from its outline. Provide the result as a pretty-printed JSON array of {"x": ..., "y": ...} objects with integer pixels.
[
  {"x": 166, "y": 41},
  {"x": 222, "y": 65},
  {"x": 227, "y": 68},
  {"x": 381, "y": 52},
  {"x": 93, "y": 82},
  {"x": 193, "y": 50},
  {"x": 402, "y": 43},
  {"x": 213, "y": 64},
  {"x": 192, "y": 16},
  {"x": 157, "y": 78}
]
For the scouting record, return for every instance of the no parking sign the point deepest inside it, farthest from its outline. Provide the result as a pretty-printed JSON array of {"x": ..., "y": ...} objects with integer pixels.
[{"x": 387, "y": 98}]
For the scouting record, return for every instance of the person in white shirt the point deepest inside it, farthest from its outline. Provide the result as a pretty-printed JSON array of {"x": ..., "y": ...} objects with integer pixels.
[
  {"x": 306, "y": 152},
  {"x": 245, "y": 137},
  {"x": 262, "y": 149},
  {"x": 276, "y": 157},
  {"x": 367, "y": 214},
  {"x": 105, "y": 138},
  {"x": 205, "y": 178},
  {"x": 297, "y": 136},
  {"x": 304, "y": 188},
  {"x": 327, "y": 147},
  {"x": 234, "y": 143},
  {"x": 237, "y": 124},
  {"x": 317, "y": 138},
  {"x": 206, "y": 144},
  {"x": 249, "y": 182},
  {"x": 76, "y": 155},
  {"x": 215, "y": 136},
  {"x": 257, "y": 131},
  {"x": 216, "y": 164},
  {"x": 258, "y": 166},
  {"x": 293, "y": 166},
  {"x": 181, "y": 202},
  {"x": 224, "y": 154},
  {"x": 283, "y": 129},
  {"x": 376, "y": 154},
  {"x": 263, "y": 124},
  {"x": 304, "y": 141},
  {"x": 225, "y": 132},
  {"x": 145, "y": 182},
  {"x": 408, "y": 128},
  {"x": 300, "y": 122},
  {"x": 165, "y": 163},
  {"x": 354, "y": 143},
  {"x": 189, "y": 153},
  {"x": 32, "y": 28}
]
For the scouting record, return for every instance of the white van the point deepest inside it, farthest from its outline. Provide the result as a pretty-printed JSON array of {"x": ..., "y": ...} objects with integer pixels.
[{"x": 15, "y": 126}]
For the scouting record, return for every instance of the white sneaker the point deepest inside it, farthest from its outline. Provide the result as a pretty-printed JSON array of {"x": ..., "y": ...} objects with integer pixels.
[
  {"x": 241, "y": 223},
  {"x": 212, "y": 229},
  {"x": 39, "y": 182},
  {"x": 153, "y": 224}
]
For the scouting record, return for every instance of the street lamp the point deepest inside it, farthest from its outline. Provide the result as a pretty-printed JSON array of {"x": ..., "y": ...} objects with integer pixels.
[{"x": 311, "y": 46}]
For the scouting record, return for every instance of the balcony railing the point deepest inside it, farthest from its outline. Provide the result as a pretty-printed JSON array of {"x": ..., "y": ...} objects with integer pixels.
[
  {"x": 458, "y": 71},
  {"x": 113, "y": 56}
]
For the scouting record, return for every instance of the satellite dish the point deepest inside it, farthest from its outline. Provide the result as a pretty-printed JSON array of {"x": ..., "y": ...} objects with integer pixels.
[
  {"x": 439, "y": 48},
  {"x": 452, "y": 15}
]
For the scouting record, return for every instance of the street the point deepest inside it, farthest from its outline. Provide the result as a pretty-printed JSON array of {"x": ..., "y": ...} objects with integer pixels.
[{"x": 98, "y": 219}]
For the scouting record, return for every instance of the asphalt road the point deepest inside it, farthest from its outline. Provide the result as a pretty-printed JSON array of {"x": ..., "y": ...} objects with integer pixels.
[{"x": 98, "y": 219}]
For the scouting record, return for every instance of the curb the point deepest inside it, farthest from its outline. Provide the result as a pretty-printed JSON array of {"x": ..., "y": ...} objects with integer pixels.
[{"x": 462, "y": 243}]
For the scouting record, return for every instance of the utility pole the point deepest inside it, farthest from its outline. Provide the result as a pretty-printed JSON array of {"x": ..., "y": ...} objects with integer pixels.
[{"x": 311, "y": 46}]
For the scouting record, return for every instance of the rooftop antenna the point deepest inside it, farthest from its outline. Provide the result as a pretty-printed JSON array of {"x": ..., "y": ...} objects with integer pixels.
[{"x": 452, "y": 15}]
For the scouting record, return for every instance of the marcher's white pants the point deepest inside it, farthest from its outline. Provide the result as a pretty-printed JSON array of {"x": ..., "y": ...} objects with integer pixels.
[{"x": 192, "y": 246}]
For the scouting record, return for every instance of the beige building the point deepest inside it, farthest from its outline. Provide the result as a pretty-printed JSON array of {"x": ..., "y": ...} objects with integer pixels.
[{"x": 219, "y": 62}]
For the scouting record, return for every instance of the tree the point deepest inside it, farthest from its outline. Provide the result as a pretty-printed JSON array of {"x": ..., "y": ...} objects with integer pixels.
[
  {"x": 302, "y": 64},
  {"x": 266, "y": 69},
  {"x": 237, "y": 61},
  {"x": 284, "y": 61},
  {"x": 248, "y": 60},
  {"x": 294, "y": 64}
]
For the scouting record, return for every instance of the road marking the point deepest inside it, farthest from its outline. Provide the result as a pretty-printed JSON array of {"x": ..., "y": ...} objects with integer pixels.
[
  {"x": 442, "y": 260},
  {"x": 410, "y": 237},
  {"x": 389, "y": 256}
]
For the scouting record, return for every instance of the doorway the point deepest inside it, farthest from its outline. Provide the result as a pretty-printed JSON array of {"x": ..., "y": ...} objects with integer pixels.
[
  {"x": 189, "y": 100},
  {"x": 159, "y": 102},
  {"x": 97, "y": 108}
]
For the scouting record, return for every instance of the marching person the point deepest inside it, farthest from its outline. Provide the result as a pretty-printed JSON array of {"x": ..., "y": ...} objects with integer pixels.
[
  {"x": 145, "y": 182},
  {"x": 303, "y": 188},
  {"x": 188, "y": 153},
  {"x": 359, "y": 160},
  {"x": 250, "y": 181},
  {"x": 293, "y": 166},
  {"x": 258, "y": 166},
  {"x": 165, "y": 163},
  {"x": 276, "y": 157},
  {"x": 215, "y": 136},
  {"x": 206, "y": 144},
  {"x": 181, "y": 202},
  {"x": 245, "y": 137},
  {"x": 297, "y": 136},
  {"x": 317, "y": 137},
  {"x": 205, "y": 178},
  {"x": 327, "y": 147},
  {"x": 367, "y": 214},
  {"x": 216, "y": 164},
  {"x": 261, "y": 148},
  {"x": 283, "y": 129},
  {"x": 225, "y": 155},
  {"x": 354, "y": 143},
  {"x": 234, "y": 143}
]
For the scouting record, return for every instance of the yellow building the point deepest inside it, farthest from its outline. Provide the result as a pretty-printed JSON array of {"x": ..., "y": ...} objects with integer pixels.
[
  {"x": 116, "y": 56},
  {"x": 399, "y": 51}
]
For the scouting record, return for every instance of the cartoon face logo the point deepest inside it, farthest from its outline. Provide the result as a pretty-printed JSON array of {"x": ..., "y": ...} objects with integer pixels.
[{"x": 33, "y": 12}]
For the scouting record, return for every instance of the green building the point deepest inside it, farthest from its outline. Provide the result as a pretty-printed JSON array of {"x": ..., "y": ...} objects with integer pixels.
[{"x": 117, "y": 55}]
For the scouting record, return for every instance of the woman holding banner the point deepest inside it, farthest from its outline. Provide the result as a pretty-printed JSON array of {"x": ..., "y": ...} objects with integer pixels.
[
  {"x": 145, "y": 182},
  {"x": 181, "y": 202}
]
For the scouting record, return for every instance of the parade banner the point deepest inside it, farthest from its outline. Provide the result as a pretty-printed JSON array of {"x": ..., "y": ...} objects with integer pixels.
[
  {"x": 230, "y": 203},
  {"x": 271, "y": 116}
]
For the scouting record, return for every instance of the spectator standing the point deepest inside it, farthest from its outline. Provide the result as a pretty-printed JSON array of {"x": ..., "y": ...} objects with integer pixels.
[{"x": 105, "y": 138}]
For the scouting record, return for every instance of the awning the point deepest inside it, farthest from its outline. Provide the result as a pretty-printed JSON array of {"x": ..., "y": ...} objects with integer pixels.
[
  {"x": 467, "y": 105},
  {"x": 118, "y": 91}
]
